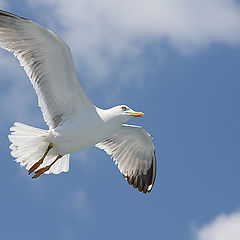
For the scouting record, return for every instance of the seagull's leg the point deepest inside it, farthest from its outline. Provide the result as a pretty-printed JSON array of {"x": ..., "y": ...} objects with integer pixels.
[
  {"x": 44, "y": 169},
  {"x": 38, "y": 163}
]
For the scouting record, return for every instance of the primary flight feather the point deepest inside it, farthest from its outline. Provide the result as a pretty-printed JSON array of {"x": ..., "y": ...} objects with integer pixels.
[{"x": 74, "y": 122}]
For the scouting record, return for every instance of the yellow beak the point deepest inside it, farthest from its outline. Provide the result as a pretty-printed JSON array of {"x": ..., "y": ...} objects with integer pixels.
[{"x": 137, "y": 114}]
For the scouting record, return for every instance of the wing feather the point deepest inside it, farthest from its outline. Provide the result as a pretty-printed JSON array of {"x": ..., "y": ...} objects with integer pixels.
[{"x": 48, "y": 63}]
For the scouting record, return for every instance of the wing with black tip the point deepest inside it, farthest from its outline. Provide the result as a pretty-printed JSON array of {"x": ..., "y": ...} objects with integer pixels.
[{"x": 133, "y": 151}]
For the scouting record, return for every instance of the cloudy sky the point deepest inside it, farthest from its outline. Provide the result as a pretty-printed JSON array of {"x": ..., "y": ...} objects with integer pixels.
[{"x": 175, "y": 60}]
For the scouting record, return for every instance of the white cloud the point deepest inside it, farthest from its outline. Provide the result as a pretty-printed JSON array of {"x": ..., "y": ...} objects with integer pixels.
[
  {"x": 223, "y": 227},
  {"x": 104, "y": 33}
]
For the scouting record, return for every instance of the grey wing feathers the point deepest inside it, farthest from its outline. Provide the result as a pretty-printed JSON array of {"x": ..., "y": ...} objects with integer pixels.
[
  {"x": 48, "y": 63},
  {"x": 133, "y": 151}
]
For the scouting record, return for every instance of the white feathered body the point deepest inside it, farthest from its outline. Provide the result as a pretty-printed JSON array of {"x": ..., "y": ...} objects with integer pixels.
[
  {"x": 74, "y": 135},
  {"x": 82, "y": 132}
]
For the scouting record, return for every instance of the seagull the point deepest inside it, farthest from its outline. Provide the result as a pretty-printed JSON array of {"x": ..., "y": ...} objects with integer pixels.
[{"x": 74, "y": 122}]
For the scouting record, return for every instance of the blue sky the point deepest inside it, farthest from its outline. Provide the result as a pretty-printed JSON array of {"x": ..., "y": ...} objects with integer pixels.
[{"x": 179, "y": 64}]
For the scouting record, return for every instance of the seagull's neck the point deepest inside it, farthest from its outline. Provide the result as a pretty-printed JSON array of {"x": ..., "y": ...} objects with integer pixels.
[
  {"x": 105, "y": 115},
  {"x": 108, "y": 116}
]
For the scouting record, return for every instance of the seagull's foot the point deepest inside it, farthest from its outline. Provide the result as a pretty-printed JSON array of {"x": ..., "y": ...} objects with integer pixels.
[
  {"x": 35, "y": 166},
  {"x": 41, "y": 171},
  {"x": 38, "y": 163},
  {"x": 44, "y": 169}
]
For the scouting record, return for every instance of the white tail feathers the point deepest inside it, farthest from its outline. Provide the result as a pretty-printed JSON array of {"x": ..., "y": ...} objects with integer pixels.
[{"x": 28, "y": 146}]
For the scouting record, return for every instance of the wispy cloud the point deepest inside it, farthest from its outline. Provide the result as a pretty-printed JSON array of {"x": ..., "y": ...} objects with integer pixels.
[
  {"x": 223, "y": 227},
  {"x": 16, "y": 92},
  {"x": 78, "y": 204},
  {"x": 3, "y": 4}
]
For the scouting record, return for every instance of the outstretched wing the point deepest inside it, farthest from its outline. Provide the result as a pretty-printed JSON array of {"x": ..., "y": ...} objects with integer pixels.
[
  {"x": 133, "y": 151},
  {"x": 48, "y": 63}
]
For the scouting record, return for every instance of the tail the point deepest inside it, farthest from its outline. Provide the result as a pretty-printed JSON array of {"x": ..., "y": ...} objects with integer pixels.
[{"x": 28, "y": 146}]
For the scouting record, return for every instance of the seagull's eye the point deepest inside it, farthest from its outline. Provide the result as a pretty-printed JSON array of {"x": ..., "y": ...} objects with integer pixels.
[{"x": 124, "y": 108}]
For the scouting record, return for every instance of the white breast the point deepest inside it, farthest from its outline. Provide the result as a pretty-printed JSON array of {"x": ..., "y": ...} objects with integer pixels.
[{"x": 80, "y": 133}]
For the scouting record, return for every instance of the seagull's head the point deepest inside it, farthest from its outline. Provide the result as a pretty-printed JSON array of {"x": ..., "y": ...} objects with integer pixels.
[{"x": 124, "y": 113}]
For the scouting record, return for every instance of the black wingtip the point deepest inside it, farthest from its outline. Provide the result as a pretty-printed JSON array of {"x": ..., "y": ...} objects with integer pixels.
[
  {"x": 8, "y": 14},
  {"x": 143, "y": 182}
]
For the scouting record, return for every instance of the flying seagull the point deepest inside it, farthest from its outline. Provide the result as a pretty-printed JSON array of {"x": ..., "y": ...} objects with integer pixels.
[{"x": 74, "y": 122}]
